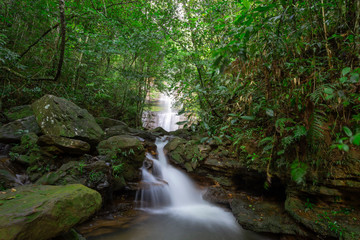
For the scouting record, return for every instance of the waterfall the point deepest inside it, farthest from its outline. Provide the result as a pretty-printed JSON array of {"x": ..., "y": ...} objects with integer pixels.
[
  {"x": 166, "y": 116},
  {"x": 167, "y": 190}
]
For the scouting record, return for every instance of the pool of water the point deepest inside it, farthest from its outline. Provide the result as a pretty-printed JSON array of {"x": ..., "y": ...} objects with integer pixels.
[{"x": 172, "y": 227}]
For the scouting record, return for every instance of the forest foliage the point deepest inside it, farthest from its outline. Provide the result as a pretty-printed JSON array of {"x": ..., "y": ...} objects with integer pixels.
[{"x": 280, "y": 75}]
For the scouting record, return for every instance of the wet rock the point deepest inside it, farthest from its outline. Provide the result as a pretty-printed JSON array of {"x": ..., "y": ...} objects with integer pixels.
[
  {"x": 8, "y": 179},
  {"x": 67, "y": 145},
  {"x": 187, "y": 154},
  {"x": 142, "y": 134},
  {"x": 218, "y": 195},
  {"x": 105, "y": 122},
  {"x": 261, "y": 215},
  {"x": 182, "y": 133},
  {"x": 174, "y": 143},
  {"x": 125, "y": 130},
  {"x": 125, "y": 150},
  {"x": 13, "y": 131},
  {"x": 71, "y": 235},
  {"x": 148, "y": 163},
  {"x": 19, "y": 112},
  {"x": 43, "y": 212},
  {"x": 60, "y": 117},
  {"x": 115, "y": 131},
  {"x": 159, "y": 131}
]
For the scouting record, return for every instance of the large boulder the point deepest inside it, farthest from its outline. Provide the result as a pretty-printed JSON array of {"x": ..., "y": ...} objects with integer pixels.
[
  {"x": 187, "y": 154},
  {"x": 105, "y": 122},
  {"x": 125, "y": 151},
  {"x": 125, "y": 130},
  {"x": 262, "y": 215},
  {"x": 13, "y": 131},
  {"x": 60, "y": 117},
  {"x": 116, "y": 130},
  {"x": 71, "y": 146},
  {"x": 42, "y": 212}
]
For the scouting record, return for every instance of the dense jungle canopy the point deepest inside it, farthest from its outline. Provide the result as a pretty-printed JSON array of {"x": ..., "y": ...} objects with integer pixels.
[{"x": 262, "y": 74}]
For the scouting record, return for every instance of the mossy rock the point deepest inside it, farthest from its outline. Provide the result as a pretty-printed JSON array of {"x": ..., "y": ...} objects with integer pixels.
[
  {"x": 124, "y": 149},
  {"x": 105, "y": 122},
  {"x": 185, "y": 153},
  {"x": 329, "y": 219},
  {"x": 70, "y": 146},
  {"x": 116, "y": 131},
  {"x": 95, "y": 175},
  {"x": 159, "y": 131},
  {"x": 60, "y": 117},
  {"x": 29, "y": 140},
  {"x": 13, "y": 131},
  {"x": 41, "y": 212},
  {"x": 19, "y": 112}
]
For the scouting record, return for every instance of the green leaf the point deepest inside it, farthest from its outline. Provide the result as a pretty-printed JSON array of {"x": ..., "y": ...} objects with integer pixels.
[
  {"x": 204, "y": 139},
  {"x": 347, "y": 131},
  {"x": 345, "y": 71},
  {"x": 218, "y": 139},
  {"x": 281, "y": 152},
  {"x": 269, "y": 112},
  {"x": 343, "y": 79},
  {"x": 328, "y": 91},
  {"x": 356, "y": 139},
  {"x": 249, "y": 118},
  {"x": 181, "y": 123},
  {"x": 354, "y": 77},
  {"x": 345, "y": 147},
  {"x": 264, "y": 140}
]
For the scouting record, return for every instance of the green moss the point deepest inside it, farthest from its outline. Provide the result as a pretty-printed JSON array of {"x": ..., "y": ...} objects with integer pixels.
[{"x": 19, "y": 112}]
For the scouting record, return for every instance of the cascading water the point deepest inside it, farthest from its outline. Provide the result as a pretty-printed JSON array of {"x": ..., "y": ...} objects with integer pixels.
[
  {"x": 169, "y": 191},
  {"x": 175, "y": 207},
  {"x": 166, "y": 116}
]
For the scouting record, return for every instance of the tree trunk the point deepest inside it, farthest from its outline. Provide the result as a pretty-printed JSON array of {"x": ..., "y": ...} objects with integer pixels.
[{"x": 62, "y": 33}]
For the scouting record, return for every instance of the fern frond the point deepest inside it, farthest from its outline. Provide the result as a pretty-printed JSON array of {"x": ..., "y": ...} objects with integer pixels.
[{"x": 316, "y": 133}]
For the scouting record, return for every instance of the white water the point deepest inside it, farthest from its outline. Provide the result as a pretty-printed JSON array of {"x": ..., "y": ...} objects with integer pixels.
[
  {"x": 166, "y": 118},
  {"x": 180, "y": 198}
]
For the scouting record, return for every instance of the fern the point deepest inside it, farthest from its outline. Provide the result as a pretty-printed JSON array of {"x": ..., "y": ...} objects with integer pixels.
[
  {"x": 286, "y": 141},
  {"x": 316, "y": 133},
  {"x": 298, "y": 171},
  {"x": 299, "y": 132},
  {"x": 280, "y": 123},
  {"x": 322, "y": 93}
]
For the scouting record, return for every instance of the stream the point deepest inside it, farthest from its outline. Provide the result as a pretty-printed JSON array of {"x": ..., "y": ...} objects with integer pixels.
[{"x": 170, "y": 206}]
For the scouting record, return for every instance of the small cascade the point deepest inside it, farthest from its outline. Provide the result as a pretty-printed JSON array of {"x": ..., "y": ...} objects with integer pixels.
[
  {"x": 165, "y": 189},
  {"x": 154, "y": 191}
]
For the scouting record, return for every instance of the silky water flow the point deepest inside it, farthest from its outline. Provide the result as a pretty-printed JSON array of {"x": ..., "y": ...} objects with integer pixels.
[{"x": 175, "y": 208}]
